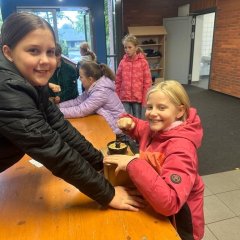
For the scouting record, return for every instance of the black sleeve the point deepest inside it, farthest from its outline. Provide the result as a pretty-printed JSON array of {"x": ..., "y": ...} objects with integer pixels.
[
  {"x": 74, "y": 139},
  {"x": 54, "y": 143}
]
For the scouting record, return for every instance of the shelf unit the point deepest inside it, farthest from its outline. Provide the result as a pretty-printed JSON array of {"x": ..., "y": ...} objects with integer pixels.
[{"x": 152, "y": 40}]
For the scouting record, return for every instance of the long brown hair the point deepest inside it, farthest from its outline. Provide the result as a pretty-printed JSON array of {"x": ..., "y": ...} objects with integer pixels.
[{"x": 94, "y": 70}]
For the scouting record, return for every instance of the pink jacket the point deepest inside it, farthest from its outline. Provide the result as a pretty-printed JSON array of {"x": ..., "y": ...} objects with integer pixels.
[
  {"x": 166, "y": 173},
  {"x": 133, "y": 79}
]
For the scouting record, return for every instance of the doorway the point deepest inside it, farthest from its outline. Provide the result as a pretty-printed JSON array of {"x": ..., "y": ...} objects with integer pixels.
[
  {"x": 204, "y": 29},
  {"x": 178, "y": 48}
]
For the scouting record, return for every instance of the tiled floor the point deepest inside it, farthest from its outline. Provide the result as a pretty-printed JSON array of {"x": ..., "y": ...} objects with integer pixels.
[{"x": 222, "y": 206}]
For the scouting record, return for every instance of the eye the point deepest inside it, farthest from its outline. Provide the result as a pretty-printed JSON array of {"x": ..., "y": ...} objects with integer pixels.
[
  {"x": 33, "y": 51},
  {"x": 161, "y": 107},
  {"x": 149, "y": 108},
  {"x": 51, "y": 53}
]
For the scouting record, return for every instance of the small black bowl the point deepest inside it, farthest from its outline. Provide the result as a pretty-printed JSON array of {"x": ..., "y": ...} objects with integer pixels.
[{"x": 113, "y": 149}]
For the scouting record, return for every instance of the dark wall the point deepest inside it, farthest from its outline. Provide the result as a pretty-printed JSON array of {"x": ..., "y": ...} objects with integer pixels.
[
  {"x": 149, "y": 13},
  {"x": 96, "y": 7}
]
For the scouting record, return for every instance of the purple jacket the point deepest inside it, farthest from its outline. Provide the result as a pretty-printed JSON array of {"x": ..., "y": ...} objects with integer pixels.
[{"x": 100, "y": 98}]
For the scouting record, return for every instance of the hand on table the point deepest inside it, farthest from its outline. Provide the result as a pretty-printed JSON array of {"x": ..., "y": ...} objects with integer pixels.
[
  {"x": 127, "y": 199},
  {"x": 120, "y": 160}
]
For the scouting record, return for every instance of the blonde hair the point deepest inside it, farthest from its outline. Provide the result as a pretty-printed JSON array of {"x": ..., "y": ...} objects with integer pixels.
[
  {"x": 176, "y": 93},
  {"x": 129, "y": 38},
  {"x": 85, "y": 50}
]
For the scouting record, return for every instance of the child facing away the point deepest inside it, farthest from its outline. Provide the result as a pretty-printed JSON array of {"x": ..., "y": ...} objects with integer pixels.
[
  {"x": 166, "y": 171},
  {"x": 133, "y": 77},
  {"x": 99, "y": 96},
  {"x": 31, "y": 124},
  {"x": 87, "y": 55}
]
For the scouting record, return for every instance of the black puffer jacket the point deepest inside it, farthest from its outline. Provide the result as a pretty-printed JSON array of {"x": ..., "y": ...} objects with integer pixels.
[{"x": 31, "y": 124}]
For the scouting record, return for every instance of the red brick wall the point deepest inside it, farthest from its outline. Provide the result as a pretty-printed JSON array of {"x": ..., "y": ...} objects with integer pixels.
[{"x": 225, "y": 72}]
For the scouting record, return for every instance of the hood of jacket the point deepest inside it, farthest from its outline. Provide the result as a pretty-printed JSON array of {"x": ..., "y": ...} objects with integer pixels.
[
  {"x": 103, "y": 82},
  {"x": 191, "y": 129},
  {"x": 137, "y": 57}
]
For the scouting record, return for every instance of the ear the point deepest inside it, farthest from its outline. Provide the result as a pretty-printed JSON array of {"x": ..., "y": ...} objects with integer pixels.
[
  {"x": 92, "y": 80},
  {"x": 7, "y": 52},
  {"x": 181, "y": 111}
]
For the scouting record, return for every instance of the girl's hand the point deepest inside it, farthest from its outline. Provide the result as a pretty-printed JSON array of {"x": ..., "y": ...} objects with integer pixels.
[
  {"x": 128, "y": 199},
  {"x": 125, "y": 123},
  {"x": 54, "y": 87},
  {"x": 57, "y": 100},
  {"x": 120, "y": 160}
]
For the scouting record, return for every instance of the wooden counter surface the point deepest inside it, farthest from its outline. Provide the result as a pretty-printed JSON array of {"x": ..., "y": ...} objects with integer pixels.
[{"x": 36, "y": 205}]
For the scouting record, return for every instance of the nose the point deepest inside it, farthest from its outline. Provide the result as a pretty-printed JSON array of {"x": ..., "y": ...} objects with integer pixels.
[
  {"x": 153, "y": 112},
  {"x": 44, "y": 59}
]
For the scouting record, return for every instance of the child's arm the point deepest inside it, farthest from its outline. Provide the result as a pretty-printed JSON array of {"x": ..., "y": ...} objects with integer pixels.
[
  {"x": 168, "y": 190},
  {"x": 90, "y": 104},
  {"x": 73, "y": 102},
  {"x": 120, "y": 160},
  {"x": 118, "y": 80},
  {"x": 147, "y": 80}
]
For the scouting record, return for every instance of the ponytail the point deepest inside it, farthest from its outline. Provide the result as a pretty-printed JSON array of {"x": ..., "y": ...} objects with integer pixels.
[
  {"x": 107, "y": 72},
  {"x": 93, "y": 55},
  {"x": 96, "y": 71}
]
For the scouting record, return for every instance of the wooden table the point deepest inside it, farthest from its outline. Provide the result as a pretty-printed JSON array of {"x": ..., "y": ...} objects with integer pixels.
[{"x": 34, "y": 204}]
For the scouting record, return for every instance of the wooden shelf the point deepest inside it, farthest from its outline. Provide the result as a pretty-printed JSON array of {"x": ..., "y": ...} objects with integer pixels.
[
  {"x": 157, "y": 35},
  {"x": 153, "y": 57},
  {"x": 156, "y": 69},
  {"x": 150, "y": 45}
]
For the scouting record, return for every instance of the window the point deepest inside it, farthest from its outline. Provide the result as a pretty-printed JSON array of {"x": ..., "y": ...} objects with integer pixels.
[{"x": 71, "y": 26}]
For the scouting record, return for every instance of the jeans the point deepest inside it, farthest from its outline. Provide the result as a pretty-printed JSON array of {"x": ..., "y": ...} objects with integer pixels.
[{"x": 133, "y": 108}]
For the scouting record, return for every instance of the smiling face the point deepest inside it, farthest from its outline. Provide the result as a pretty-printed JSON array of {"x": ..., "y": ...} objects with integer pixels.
[
  {"x": 161, "y": 112},
  {"x": 130, "y": 49},
  {"x": 34, "y": 56}
]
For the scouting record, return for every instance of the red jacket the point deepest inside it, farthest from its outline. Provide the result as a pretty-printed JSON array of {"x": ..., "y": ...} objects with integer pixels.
[
  {"x": 166, "y": 173},
  {"x": 133, "y": 79}
]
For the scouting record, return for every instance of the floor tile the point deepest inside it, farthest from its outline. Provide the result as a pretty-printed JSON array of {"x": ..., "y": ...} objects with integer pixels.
[
  {"x": 231, "y": 200},
  {"x": 207, "y": 192},
  {"x": 222, "y": 182},
  {"x": 209, "y": 235},
  {"x": 235, "y": 177},
  {"x": 227, "y": 229},
  {"x": 216, "y": 210}
]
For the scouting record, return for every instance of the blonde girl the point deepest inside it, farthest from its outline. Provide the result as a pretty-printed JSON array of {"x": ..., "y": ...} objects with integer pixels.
[
  {"x": 166, "y": 171},
  {"x": 133, "y": 77}
]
